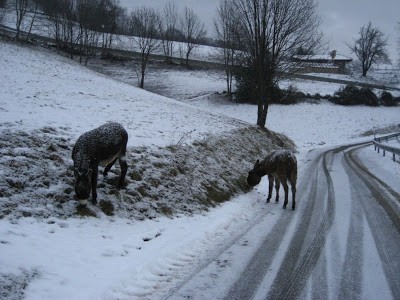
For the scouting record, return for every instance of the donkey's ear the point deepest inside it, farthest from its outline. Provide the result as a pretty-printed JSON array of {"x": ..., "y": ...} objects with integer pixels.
[{"x": 257, "y": 163}]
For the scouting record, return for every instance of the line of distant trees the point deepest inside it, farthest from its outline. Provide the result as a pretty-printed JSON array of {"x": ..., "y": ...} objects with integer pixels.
[{"x": 80, "y": 27}]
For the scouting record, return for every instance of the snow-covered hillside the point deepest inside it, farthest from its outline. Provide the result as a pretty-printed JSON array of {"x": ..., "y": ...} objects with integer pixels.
[
  {"x": 47, "y": 101},
  {"x": 39, "y": 90}
]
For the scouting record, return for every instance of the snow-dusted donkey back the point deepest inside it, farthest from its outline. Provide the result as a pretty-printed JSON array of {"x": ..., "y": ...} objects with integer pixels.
[
  {"x": 101, "y": 146},
  {"x": 280, "y": 165}
]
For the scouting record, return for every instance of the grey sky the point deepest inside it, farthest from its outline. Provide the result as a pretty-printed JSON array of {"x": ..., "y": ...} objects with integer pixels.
[{"x": 341, "y": 19}]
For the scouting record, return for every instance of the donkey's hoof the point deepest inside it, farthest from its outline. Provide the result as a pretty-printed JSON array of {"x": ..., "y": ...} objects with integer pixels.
[
  {"x": 284, "y": 206},
  {"x": 268, "y": 200}
]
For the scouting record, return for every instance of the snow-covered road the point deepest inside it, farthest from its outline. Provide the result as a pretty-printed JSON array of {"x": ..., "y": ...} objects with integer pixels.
[{"x": 342, "y": 242}]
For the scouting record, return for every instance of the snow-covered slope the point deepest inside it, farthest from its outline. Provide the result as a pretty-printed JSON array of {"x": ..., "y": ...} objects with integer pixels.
[{"x": 41, "y": 89}]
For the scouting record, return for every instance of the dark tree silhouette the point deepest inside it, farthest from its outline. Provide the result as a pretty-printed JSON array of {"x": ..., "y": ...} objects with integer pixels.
[
  {"x": 144, "y": 25},
  {"x": 370, "y": 47},
  {"x": 269, "y": 32},
  {"x": 193, "y": 31}
]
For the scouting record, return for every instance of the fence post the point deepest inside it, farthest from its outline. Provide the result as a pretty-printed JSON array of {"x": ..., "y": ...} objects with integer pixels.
[
  {"x": 394, "y": 157},
  {"x": 384, "y": 152}
]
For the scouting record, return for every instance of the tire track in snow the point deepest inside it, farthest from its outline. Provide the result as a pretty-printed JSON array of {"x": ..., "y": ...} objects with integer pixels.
[
  {"x": 319, "y": 280},
  {"x": 173, "y": 293},
  {"x": 351, "y": 274},
  {"x": 260, "y": 262},
  {"x": 382, "y": 217},
  {"x": 377, "y": 187},
  {"x": 265, "y": 255},
  {"x": 295, "y": 270}
]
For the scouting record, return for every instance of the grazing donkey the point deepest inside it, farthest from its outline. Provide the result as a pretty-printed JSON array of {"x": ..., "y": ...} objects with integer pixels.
[
  {"x": 280, "y": 165},
  {"x": 101, "y": 146}
]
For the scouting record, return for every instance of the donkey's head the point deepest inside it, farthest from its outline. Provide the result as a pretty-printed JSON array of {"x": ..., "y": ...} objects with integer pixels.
[
  {"x": 254, "y": 178},
  {"x": 83, "y": 183}
]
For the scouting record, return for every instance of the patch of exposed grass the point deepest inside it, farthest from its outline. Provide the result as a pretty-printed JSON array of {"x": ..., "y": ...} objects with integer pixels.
[
  {"x": 84, "y": 211},
  {"x": 107, "y": 207},
  {"x": 216, "y": 194},
  {"x": 179, "y": 179}
]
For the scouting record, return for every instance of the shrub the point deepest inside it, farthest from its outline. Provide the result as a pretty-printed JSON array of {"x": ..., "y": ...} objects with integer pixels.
[
  {"x": 351, "y": 95},
  {"x": 347, "y": 95},
  {"x": 246, "y": 89},
  {"x": 387, "y": 99},
  {"x": 290, "y": 96},
  {"x": 368, "y": 97}
]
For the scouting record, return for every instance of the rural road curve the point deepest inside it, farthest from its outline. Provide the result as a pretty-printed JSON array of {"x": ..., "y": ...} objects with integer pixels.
[{"x": 342, "y": 242}]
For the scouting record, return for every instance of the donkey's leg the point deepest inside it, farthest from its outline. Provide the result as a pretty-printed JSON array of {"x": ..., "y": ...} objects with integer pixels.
[
  {"x": 124, "y": 169},
  {"x": 277, "y": 186},
  {"x": 293, "y": 185},
  {"x": 94, "y": 185},
  {"x": 270, "y": 186},
  {"x": 108, "y": 167},
  {"x": 285, "y": 187}
]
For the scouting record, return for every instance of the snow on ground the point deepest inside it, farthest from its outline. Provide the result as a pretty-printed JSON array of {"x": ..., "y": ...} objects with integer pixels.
[
  {"x": 84, "y": 101},
  {"x": 311, "y": 125},
  {"x": 118, "y": 258},
  {"x": 203, "y": 89}
]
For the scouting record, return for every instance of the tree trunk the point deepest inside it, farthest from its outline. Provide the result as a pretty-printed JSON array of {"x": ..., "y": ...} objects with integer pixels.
[
  {"x": 19, "y": 22},
  {"x": 32, "y": 21},
  {"x": 141, "y": 85},
  {"x": 265, "y": 93},
  {"x": 187, "y": 59}
]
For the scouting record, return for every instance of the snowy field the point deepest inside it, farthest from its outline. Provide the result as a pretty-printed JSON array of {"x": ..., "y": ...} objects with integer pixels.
[{"x": 119, "y": 258}]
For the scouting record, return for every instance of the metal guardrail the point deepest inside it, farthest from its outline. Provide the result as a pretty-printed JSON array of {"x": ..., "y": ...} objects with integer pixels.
[{"x": 379, "y": 146}]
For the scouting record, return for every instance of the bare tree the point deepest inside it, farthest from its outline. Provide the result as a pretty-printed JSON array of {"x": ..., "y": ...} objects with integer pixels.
[
  {"x": 193, "y": 30},
  {"x": 225, "y": 27},
  {"x": 109, "y": 14},
  {"x": 270, "y": 31},
  {"x": 24, "y": 9},
  {"x": 168, "y": 29},
  {"x": 62, "y": 23},
  {"x": 144, "y": 25},
  {"x": 370, "y": 47},
  {"x": 21, "y": 9},
  {"x": 88, "y": 14},
  {"x": 34, "y": 11}
]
